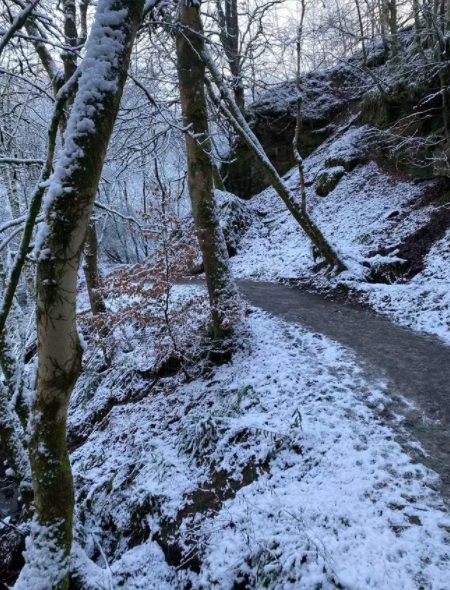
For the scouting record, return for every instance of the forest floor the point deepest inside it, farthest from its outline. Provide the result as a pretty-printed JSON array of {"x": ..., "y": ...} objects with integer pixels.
[
  {"x": 292, "y": 467},
  {"x": 414, "y": 366},
  {"x": 392, "y": 232},
  {"x": 318, "y": 458}
]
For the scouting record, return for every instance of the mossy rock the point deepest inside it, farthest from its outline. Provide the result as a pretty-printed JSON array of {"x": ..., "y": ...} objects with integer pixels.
[
  {"x": 328, "y": 180},
  {"x": 387, "y": 272},
  {"x": 377, "y": 109}
]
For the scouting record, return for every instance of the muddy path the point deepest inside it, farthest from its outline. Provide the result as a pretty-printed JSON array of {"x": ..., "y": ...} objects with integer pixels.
[{"x": 416, "y": 367}]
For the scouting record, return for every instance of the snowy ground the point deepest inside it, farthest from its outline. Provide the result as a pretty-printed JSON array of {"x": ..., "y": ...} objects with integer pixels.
[
  {"x": 368, "y": 209},
  {"x": 275, "y": 471},
  {"x": 424, "y": 302},
  {"x": 317, "y": 493}
]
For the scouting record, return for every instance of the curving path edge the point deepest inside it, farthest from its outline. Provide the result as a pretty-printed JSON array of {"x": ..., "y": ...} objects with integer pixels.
[{"x": 416, "y": 366}]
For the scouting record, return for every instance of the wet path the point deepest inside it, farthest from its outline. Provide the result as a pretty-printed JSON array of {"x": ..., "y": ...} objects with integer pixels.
[{"x": 415, "y": 366}]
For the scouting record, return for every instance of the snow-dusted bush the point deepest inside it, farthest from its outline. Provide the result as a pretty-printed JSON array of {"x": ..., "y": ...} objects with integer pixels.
[
  {"x": 235, "y": 218},
  {"x": 140, "y": 295}
]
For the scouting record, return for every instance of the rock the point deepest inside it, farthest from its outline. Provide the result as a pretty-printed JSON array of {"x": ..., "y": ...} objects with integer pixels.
[
  {"x": 348, "y": 161},
  {"x": 327, "y": 95},
  {"x": 393, "y": 214},
  {"x": 328, "y": 180}
]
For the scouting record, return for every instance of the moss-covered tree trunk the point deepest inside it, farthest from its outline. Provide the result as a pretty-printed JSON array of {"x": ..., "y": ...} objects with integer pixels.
[
  {"x": 69, "y": 203},
  {"x": 91, "y": 272},
  {"x": 191, "y": 75},
  {"x": 11, "y": 431}
]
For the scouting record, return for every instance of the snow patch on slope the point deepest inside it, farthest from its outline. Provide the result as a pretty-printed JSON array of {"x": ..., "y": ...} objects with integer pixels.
[{"x": 424, "y": 302}]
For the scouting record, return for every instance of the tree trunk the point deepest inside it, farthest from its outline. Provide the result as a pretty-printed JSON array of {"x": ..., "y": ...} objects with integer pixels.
[
  {"x": 69, "y": 203},
  {"x": 71, "y": 35},
  {"x": 299, "y": 119},
  {"x": 218, "y": 182},
  {"x": 229, "y": 36},
  {"x": 91, "y": 271},
  {"x": 11, "y": 436},
  {"x": 243, "y": 130},
  {"x": 191, "y": 75},
  {"x": 393, "y": 26},
  {"x": 418, "y": 26},
  {"x": 382, "y": 17}
]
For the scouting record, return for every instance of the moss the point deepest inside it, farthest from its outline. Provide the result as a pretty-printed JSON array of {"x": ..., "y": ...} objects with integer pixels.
[
  {"x": 375, "y": 109},
  {"x": 401, "y": 101},
  {"x": 207, "y": 499},
  {"x": 328, "y": 180}
]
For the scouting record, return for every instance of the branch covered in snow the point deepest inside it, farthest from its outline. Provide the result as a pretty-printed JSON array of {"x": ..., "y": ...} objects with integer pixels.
[
  {"x": 20, "y": 162},
  {"x": 17, "y": 24}
]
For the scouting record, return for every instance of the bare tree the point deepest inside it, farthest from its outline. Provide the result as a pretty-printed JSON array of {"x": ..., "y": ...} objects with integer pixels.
[
  {"x": 229, "y": 36},
  {"x": 298, "y": 123},
  {"x": 243, "y": 130}
]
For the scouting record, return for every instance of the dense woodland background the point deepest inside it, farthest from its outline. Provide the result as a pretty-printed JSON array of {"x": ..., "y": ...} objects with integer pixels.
[{"x": 145, "y": 142}]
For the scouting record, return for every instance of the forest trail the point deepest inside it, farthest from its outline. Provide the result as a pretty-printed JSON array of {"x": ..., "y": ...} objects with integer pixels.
[{"x": 416, "y": 367}]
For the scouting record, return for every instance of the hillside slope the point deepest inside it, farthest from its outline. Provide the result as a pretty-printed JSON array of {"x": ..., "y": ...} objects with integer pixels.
[
  {"x": 392, "y": 232},
  {"x": 400, "y": 96}
]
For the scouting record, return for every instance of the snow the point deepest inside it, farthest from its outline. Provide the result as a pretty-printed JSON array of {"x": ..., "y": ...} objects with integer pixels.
[
  {"x": 333, "y": 498},
  {"x": 235, "y": 217},
  {"x": 276, "y": 470},
  {"x": 99, "y": 73},
  {"x": 424, "y": 302},
  {"x": 369, "y": 209},
  {"x": 317, "y": 489},
  {"x": 46, "y": 564},
  {"x": 321, "y": 95}
]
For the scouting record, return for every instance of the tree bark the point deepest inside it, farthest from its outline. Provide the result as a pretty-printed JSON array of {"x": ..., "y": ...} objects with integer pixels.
[
  {"x": 299, "y": 119},
  {"x": 232, "y": 112},
  {"x": 91, "y": 271},
  {"x": 11, "y": 437},
  {"x": 191, "y": 75},
  {"x": 229, "y": 36},
  {"x": 393, "y": 26},
  {"x": 69, "y": 203}
]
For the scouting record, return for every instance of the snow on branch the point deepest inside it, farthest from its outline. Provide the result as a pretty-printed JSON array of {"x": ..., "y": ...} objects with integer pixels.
[
  {"x": 99, "y": 75},
  {"x": 21, "y": 161},
  {"x": 17, "y": 24}
]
